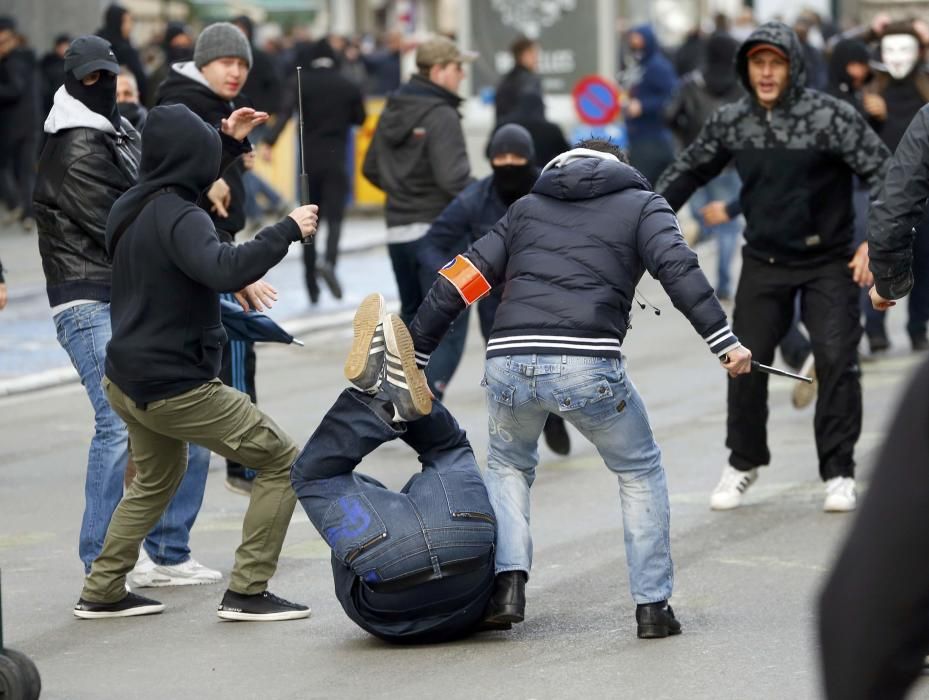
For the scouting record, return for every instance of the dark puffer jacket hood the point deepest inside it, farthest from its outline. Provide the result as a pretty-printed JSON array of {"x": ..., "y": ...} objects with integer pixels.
[
  {"x": 783, "y": 37},
  {"x": 588, "y": 178},
  {"x": 179, "y": 151},
  {"x": 409, "y": 104}
]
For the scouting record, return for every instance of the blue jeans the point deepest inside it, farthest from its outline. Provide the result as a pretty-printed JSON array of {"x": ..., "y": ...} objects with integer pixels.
[
  {"x": 724, "y": 187},
  {"x": 442, "y": 515},
  {"x": 597, "y": 397},
  {"x": 84, "y": 331},
  {"x": 255, "y": 186},
  {"x": 414, "y": 281}
]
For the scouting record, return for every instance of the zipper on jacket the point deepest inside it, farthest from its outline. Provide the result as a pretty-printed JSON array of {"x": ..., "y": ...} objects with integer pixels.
[
  {"x": 364, "y": 546},
  {"x": 477, "y": 516}
]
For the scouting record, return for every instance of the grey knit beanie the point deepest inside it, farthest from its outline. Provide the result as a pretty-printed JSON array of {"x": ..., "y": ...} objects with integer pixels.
[{"x": 221, "y": 40}]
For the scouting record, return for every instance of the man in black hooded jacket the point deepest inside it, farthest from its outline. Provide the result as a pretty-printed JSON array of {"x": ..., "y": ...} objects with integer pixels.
[
  {"x": 169, "y": 266},
  {"x": 795, "y": 150},
  {"x": 117, "y": 26},
  {"x": 332, "y": 105},
  {"x": 211, "y": 86}
]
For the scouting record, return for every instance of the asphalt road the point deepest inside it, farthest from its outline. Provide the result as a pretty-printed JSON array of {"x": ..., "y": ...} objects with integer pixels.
[{"x": 745, "y": 580}]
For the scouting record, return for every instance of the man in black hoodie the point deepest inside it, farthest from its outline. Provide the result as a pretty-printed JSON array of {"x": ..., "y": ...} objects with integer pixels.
[
  {"x": 169, "y": 266},
  {"x": 211, "y": 87},
  {"x": 117, "y": 26},
  {"x": 795, "y": 150},
  {"x": 332, "y": 105}
]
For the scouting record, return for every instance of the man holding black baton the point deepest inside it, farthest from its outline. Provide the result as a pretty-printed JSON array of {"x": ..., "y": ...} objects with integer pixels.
[
  {"x": 795, "y": 151},
  {"x": 556, "y": 345}
]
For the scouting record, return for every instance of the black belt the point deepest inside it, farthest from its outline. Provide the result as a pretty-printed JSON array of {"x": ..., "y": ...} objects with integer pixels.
[{"x": 455, "y": 568}]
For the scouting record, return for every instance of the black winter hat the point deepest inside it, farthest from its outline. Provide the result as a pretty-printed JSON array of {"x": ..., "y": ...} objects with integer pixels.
[{"x": 512, "y": 138}]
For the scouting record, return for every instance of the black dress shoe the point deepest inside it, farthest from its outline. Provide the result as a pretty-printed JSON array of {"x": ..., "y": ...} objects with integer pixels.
[
  {"x": 508, "y": 603},
  {"x": 556, "y": 435},
  {"x": 656, "y": 620}
]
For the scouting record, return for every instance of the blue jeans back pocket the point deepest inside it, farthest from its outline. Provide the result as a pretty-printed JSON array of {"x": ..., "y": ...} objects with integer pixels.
[{"x": 351, "y": 526}]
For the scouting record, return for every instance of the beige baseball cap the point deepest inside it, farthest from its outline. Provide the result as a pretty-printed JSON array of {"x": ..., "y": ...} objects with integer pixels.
[{"x": 441, "y": 50}]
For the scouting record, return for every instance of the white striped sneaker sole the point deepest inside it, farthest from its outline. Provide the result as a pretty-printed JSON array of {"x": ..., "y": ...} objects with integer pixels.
[
  {"x": 400, "y": 365},
  {"x": 368, "y": 319}
]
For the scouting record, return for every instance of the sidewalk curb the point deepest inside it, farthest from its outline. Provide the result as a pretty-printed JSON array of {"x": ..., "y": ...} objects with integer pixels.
[{"x": 61, "y": 376}]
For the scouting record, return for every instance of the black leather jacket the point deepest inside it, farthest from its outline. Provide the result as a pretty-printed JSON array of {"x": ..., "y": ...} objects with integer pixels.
[{"x": 82, "y": 171}]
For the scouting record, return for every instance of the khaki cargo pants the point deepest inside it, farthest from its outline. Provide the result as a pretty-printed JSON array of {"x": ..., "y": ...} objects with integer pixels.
[{"x": 226, "y": 422}]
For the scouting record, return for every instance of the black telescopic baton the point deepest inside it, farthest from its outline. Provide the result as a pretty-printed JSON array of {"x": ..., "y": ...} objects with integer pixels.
[
  {"x": 774, "y": 370},
  {"x": 304, "y": 178}
]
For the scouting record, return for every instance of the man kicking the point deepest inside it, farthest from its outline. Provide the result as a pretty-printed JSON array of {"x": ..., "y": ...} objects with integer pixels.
[{"x": 413, "y": 566}]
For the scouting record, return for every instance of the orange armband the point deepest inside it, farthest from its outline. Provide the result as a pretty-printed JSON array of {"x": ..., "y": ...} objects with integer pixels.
[{"x": 466, "y": 278}]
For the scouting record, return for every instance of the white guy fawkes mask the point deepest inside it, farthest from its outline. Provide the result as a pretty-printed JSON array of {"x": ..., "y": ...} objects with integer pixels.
[{"x": 900, "y": 53}]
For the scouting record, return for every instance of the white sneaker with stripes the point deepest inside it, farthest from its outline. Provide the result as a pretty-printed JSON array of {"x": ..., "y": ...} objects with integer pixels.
[
  {"x": 366, "y": 357},
  {"x": 403, "y": 381},
  {"x": 732, "y": 485}
]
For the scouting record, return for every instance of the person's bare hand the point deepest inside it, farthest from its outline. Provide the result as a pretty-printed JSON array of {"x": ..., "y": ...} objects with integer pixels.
[
  {"x": 3, "y": 296},
  {"x": 737, "y": 361},
  {"x": 879, "y": 302},
  {"x": 264, "y": 152},
  {"x": 306, "y": 218},
  {"x": 633, "y": 109},
  {"x": 715, "y": 213},
  {"x": 861, "y": 273},
  {"x": 220, "y": 197},
  {"x": 875, "y": 106},
  {"x": 258, "y": 296},
  {"x": 240, "y": 123}
]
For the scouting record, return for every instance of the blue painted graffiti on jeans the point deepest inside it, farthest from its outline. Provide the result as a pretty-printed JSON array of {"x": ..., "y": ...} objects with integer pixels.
[{"x": 355, "y": 521}]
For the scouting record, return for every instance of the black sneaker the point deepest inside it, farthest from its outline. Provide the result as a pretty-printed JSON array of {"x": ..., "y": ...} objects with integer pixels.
[
  {"x": 327, "y": 272},
  {"x": 656, "y": 620},
  {"x": 130, "y": 606},
  {"x": 260, "y": 607},
  {"x": 920, "y": 343},
  {"x": 556, "y": 435},
  {"x": 366, "y": 357},
  {"x": 404, "y": 383}
]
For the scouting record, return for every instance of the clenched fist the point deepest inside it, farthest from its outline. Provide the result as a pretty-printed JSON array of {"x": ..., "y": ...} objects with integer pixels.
[{"x": 306, "y": 218}]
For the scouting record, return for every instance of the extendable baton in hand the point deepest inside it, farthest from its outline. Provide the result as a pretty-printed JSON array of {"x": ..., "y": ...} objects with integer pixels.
[
  {"x": 304, "y": 178},
  {"x": 774, "y": 370}
]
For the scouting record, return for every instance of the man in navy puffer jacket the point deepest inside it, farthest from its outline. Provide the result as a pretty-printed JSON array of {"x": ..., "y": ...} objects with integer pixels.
[{"x": 569, "y": 256}]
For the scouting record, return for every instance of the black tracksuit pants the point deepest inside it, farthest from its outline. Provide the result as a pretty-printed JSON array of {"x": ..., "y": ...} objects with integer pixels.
[
  {"x": 764, "y": 308},
  {"x": 329, "y": 189}
]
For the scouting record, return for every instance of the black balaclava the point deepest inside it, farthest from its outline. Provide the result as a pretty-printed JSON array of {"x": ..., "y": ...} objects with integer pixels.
[
  {"x": 513, "y": 181},
  {"x": 99, "y": 97}
]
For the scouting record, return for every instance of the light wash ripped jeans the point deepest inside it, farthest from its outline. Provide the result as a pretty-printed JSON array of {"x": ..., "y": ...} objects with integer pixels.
[{"x": 596, "y": 397}]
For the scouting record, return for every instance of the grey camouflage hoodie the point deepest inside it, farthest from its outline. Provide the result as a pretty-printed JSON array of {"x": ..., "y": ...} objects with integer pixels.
[{"x": 795, "y": 160}]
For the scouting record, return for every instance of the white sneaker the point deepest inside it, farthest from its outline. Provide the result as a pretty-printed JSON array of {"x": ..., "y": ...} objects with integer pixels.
[
  {"x": 840, "y": 495},
  {"x": 732, "y": 484},
  {"x": 148, "y": 574},
  {"x": 803, "y": 393}
]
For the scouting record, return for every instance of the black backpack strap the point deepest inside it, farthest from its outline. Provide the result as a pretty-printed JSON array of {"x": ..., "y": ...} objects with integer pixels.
[{"x": 127, "y": 222}]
